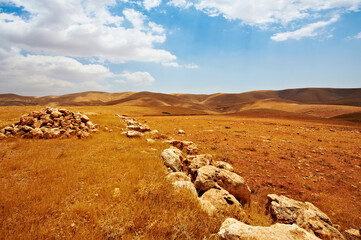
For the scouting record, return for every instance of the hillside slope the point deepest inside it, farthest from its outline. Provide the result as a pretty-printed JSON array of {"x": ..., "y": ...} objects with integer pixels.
[{"x": 320, "y": 102}]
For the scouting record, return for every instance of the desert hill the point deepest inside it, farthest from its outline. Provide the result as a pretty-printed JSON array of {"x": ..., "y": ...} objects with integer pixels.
[{"x": 318, "y": 102}]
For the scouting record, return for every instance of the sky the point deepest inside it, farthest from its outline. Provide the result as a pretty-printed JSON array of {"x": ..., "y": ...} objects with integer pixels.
[{"x": 53, "y": 47}]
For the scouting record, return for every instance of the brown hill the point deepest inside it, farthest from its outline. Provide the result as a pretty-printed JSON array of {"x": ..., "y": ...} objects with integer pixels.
[{"x": 319, "y": 102}]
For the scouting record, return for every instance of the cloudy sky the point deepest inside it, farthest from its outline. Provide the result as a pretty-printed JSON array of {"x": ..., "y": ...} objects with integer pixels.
[{"x": 190, "y": 46}]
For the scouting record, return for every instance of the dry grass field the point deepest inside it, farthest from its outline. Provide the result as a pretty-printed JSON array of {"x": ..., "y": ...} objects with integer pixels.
[{"x": 63, "y": 188}]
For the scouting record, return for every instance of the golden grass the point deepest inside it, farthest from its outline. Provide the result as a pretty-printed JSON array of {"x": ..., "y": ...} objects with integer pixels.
[{"x": 63, "y": 188}]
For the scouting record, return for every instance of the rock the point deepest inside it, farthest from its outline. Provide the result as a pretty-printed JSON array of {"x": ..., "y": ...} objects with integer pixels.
[
  {"x": 304, "y": 214},
  {"x": 134, "y": 134},
  {"x": 181, "y": 132},
  {"x": 116, "y": 192},
  {"x": 2, "y": 136},
  {"x": 224, "y": 165},
  {"x": 177, "y": 176},
  {"x": 220, "y": 199},
  {"x": 172, "y": 158},
  {"x": 36, "y": 114},
  {"x": 138, "y": 128},
  {"x": 84, "y": 118},
  {"x": 83, "y": 134},
  {"x": 193, "y": 163},
  {"x": 211, "y": 177},
  {"x": 27, "y": 120},
  {"x": 232, "y": 229},
  {"x": 192, "y": 149},
  {"x": 55, "y": 114},
  {"x": 353, "y": 234},
  {"x": 154, "y": 132},
  {"x": 149, "y": 140},
  {"x": 207, "y": 207},
  {"x": 36, "y": 133},
  {"x": 187, "y": 185}
]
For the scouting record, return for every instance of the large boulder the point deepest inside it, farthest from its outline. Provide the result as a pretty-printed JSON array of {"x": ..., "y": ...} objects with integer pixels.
[
  {"x": 193, "y": 163},
  {"x": 220, "y": 199},
  {"x": 172, "y": 158},
  {"x": 231, "y": 229},
  {"x": 212, "y": 177},
  {"x": 304, "y": 214}
]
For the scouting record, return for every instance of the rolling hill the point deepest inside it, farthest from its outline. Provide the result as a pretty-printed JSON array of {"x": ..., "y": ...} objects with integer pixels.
[{"x": 318, "y": 102}]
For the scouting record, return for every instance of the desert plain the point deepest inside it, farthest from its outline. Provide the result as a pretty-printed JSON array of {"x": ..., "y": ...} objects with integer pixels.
[{"x": 66, "y": 188}]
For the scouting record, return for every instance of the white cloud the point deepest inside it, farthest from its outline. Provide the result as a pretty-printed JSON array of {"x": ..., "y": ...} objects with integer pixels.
[
  {"x": 38, "y": 74},
  {"x": 309, "y": 30},
  {"x": 136, "y": 78},
  {"x": 284, "y": 14},
  {"x": 191, "y": 66},
  {"x": 357, "y": 36},
  {"x": 149, "y": 4},
  {"x": 180, "y": 3},
  {"x": 260, "y": 12},
  {"x": 84, "y": 29}
]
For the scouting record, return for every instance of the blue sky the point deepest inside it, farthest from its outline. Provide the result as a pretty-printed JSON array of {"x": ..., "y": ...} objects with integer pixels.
[{"x": 200, "y": 46}]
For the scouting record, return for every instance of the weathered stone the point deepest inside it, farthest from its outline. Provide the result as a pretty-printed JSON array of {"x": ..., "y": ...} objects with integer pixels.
[
  {"x": 172, "y": 158},
  {"x": 220, "y": 199},
  {"x": 27, "y": 120},
  {"x": 181, "y": 132},
  {"x": 207, "y": 207},
  {"x": 232, "y": 229},
  {"x": 37, "y": 124},
  {"x": 138, "y": 128},
  {"x": 55, "y": 114},
  {"x": 177, "y": 176},
  {"x": 2, "y": 136},
  {"x": 192, "y": 149},
  {"x": 304, "y": 214},
  {"x": 193, "y": 163},
  {"x": 36, "y": 133},
  {"x": 90, "y": 125},
  {"x": 116, "y": 192},
  {"x": 83, "y": 134},
  {"x": 185, "y": 185},
  {"x": 353, "y": 234},
  {"x": 84, "y": 118},
  {"x": 134, "y": 134},
  {"x": 36, "y": 114},
  {"x": 211, "y": 177},
  {"x": 224, "y": 165}
]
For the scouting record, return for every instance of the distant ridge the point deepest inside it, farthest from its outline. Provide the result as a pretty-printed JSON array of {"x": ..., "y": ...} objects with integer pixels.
[{"x": 311, "y": 101}]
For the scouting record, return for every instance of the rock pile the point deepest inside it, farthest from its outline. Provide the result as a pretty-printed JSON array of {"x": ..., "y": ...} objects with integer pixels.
[
  {"x": 217, "y": 188},
  {"x": 50, "y": 123},
  {"x": 134, "y": 128}
]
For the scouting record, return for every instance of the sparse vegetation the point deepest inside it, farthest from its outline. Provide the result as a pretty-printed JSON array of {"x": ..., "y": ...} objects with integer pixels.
[{"x": 64, "y": 188}]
